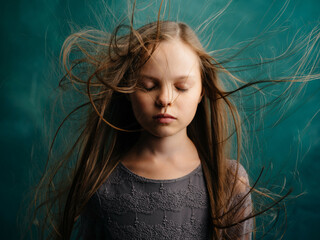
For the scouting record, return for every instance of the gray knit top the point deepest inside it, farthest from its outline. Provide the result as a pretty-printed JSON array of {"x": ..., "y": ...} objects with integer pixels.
[{"x": 129, "y": 206}]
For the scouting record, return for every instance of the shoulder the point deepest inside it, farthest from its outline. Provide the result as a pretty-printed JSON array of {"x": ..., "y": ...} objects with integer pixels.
[
  {"x": 239, "y": 189},
  {"x": 238, "y": 175},
  {"x": 236, "y": 167},
  {"x": 240, "y": 205}
]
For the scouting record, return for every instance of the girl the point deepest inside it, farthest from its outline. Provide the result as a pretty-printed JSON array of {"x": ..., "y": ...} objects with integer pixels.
[
  {"x": 157, "y": 188},
  {"x": 153, "y": 155}
]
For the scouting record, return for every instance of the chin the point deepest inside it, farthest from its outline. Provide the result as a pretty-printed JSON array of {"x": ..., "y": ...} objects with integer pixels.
[{"x": 162, "y": 133}]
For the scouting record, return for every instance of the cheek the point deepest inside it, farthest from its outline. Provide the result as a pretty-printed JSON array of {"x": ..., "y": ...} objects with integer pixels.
[
  {"x": 190, "y": 105},
  {"x": 140, "y": 104}
]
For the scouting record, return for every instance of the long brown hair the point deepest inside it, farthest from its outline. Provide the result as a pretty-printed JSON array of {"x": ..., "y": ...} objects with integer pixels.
[{"x": 105, "y": 68}]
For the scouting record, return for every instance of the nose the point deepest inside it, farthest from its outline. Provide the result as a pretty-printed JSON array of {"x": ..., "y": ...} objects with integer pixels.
[{"x": 164, "y": 97}]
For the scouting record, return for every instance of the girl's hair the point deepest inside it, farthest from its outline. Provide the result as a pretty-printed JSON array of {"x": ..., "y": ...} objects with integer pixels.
[{"x": 105, "y": 68}]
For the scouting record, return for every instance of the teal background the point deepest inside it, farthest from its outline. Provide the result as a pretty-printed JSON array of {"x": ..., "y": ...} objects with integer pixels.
[{"x": 32, "y": 33}]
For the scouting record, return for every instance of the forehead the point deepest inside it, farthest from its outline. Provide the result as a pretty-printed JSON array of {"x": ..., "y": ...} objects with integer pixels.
[{"x": 172, "y": 58}]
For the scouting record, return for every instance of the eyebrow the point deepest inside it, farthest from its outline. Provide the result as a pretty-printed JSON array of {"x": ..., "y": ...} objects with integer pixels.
[{"x": 182, "y": 77}]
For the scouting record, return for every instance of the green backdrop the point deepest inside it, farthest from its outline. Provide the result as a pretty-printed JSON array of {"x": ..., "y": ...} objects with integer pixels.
[{"x": 32, "y": 33}]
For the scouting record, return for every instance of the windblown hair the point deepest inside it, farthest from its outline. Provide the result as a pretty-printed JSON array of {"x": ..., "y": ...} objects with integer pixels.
[{"x": 105, "y": 69}]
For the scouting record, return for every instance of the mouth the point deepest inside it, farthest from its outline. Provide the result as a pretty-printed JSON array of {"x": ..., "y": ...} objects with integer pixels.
[{"x": 164, "y": 118}]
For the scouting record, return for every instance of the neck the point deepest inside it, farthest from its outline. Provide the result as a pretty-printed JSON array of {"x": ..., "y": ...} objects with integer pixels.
[{"x": 163, "y": 147}]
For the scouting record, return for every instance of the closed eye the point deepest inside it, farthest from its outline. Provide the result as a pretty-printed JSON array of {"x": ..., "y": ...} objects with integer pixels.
[
  {"x": 147, "y": 85},
  {"x": 181, "y": 89},
  {"x": 149, "y": 88}
]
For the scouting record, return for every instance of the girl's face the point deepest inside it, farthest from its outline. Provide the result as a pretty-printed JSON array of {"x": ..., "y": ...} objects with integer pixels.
[{"x": 169, "y": 89}]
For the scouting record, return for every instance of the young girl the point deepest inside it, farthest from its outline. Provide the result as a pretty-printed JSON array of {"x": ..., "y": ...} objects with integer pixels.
[
  {"x": 157, "y": 186},
  {"x": 154, "y": 155}
]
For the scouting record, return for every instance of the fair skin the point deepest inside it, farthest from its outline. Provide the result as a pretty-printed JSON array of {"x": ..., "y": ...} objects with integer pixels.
[{"x": 164, "y": 104}]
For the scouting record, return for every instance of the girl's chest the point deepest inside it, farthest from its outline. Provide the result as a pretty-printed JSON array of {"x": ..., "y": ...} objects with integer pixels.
[{"x": 133, "y": 207}]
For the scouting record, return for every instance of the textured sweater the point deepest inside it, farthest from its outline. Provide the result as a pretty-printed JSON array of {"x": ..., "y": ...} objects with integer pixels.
[{"x": 129, "y": 206}]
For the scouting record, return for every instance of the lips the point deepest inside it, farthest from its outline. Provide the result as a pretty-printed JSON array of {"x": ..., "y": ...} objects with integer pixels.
[
  {"x": 163, "y": 115},
  {"x": 164, "y": 118}
]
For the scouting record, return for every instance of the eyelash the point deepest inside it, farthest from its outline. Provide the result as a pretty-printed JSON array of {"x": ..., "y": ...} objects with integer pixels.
[
  {"x": 182, "y": 89},
  {"x": 149, "y": 89},
  {"x": 152, "y": 88}
]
